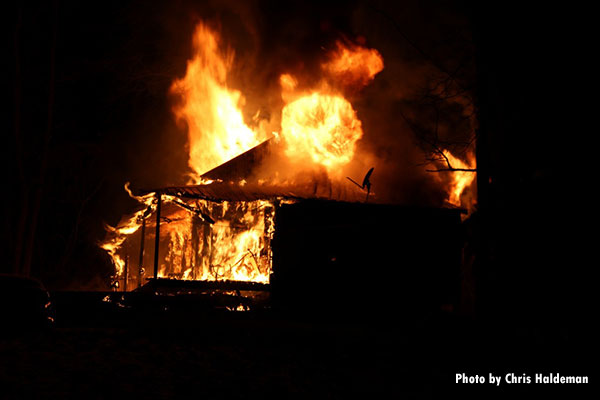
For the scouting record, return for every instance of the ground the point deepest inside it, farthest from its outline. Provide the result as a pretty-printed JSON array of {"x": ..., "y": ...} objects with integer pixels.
[{"x": 239, "y": 355}]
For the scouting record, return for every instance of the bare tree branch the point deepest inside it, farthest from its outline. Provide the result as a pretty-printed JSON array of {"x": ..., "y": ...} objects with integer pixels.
[
  {"x": 453, "y": 170},
  {"x": 423, "y": 54}
]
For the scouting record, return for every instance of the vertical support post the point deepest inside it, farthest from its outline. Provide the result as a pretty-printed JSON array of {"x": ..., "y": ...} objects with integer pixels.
[
  {"x": 141, "y": 259},
  {"x": 126, "y": 273},
  {"x": 157, "y": 238}
]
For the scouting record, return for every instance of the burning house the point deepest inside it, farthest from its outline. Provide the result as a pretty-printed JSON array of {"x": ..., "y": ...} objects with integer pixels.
[{"x": 276, "y": 204}]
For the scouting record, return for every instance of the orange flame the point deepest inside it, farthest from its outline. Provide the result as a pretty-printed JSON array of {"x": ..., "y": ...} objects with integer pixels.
[
  {"x": 128, "y": 226},
  {"x": 216, "y": 128},
  {"x": 235, "y": 247},
  {"x": 319, "y": 127},
  {"x": 460, "y": 180},
  {"x": 322, "y": 128},
  {"x": 353, "y": 65}
]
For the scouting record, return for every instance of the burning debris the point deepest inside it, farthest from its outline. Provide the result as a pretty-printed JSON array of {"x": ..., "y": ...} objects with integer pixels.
[
  {"x": 196, "y": 238},
  {"x": 220, "y": 226}
]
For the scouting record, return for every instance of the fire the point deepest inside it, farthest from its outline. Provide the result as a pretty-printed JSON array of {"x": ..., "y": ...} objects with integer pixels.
[
  {"x": 235, "y": 247},
  {"x": 323, "y": 128},
  {"x": 216, "y": 128},
  {"x": 206, "y": 240},
  {"x": 319, "y": 127},
  {"x": 353, "y": 65},
  {"x": 117, "y": 235},
  {"x": 288, "y": 85},
  {"x": 461, "y": 180}
]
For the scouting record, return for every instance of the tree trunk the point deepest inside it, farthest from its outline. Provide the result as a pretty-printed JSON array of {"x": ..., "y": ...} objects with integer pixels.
[{"x": 39, "y": 191}]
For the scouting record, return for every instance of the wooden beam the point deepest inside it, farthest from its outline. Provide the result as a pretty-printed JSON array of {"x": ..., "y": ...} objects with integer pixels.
[
  {"x": 157, "y": 238},
  {"x": 141, "y": 259}
]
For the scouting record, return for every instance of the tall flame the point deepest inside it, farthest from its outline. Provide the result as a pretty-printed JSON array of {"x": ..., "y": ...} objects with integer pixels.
[{"x": 216, "y": 128}]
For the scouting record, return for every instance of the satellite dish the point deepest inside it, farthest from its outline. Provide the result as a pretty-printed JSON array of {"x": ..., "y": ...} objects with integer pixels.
[{"x": 366, "y": 183}]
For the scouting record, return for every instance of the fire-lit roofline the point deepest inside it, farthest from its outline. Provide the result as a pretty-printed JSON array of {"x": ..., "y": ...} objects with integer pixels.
[
  {"x": 226, "y": 191},
  {"x": 234, "y": 192}
]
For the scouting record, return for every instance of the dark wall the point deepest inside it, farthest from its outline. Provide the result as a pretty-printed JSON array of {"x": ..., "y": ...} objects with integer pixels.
[{"x": 339, "y": 257}]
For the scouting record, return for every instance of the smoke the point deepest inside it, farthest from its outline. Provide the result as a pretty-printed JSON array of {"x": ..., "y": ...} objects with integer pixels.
[{"x": 270, "y": 39}]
